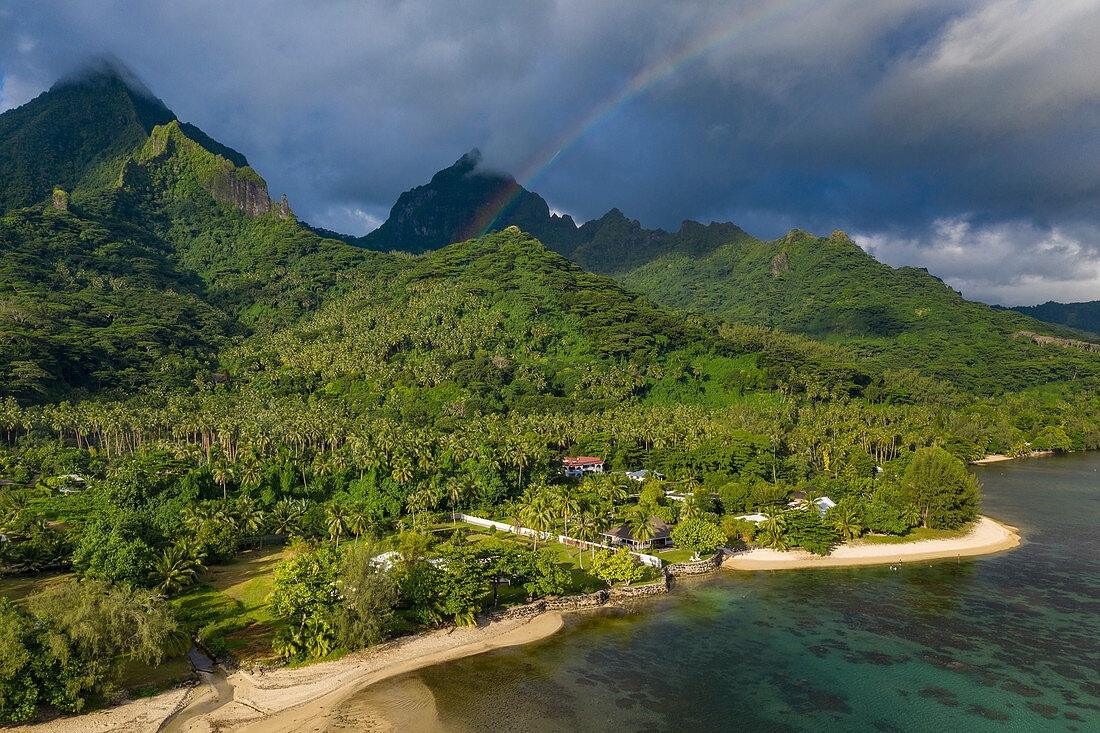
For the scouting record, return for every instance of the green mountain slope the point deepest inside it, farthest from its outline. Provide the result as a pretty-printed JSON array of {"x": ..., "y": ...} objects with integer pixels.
[
  {"x": 1081, "y": 316},
  {"x": 76, "y": 135},
  {"x": 91, "y": 307},
  {"x": 167, "y": 246},
  {"x": 824, "y": 288},
  {"x": 502, "y": 324},
  {"x": 829, "y": 288}
]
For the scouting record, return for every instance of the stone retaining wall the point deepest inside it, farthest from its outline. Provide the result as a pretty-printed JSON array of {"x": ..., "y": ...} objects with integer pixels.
[
  {"x": 699, "y": 567},
  {"x": 591, "y": 600},
  {"x": 639, "y": 591}
]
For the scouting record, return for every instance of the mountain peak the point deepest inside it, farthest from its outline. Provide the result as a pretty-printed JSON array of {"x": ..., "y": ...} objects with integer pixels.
[
  {"x": 463, "y": 201},
  {"x": 105, "y": 69}
]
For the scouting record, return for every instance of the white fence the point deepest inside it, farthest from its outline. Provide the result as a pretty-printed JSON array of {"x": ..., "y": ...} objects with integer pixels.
[{"x": 548, "y": 537}]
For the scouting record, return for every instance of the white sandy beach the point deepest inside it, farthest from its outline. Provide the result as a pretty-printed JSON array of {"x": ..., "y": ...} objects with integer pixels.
[
  {"x": 286, "y": 699},
  {"x": 999, "y": 457},
  {"x": 988, "y": 536}
]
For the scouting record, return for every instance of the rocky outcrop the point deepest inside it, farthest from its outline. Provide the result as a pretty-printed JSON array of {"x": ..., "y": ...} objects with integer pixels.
[
  {"x": 235, "y": 187},
  {"x": 839, "y": 237},
  {"x": 180, "y": 166},
  {"x": 1055, "y": 341},
  {"x": 639, "y": 591},
  {"x": 779, "y": 264},
  {"x": 60, "y": 200}
]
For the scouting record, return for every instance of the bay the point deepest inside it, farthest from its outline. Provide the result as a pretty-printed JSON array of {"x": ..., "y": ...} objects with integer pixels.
[{"x": 1005, "y": 642}]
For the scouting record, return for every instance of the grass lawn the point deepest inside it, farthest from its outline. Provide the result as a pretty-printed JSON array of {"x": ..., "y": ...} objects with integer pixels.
[
  {"x": 231, "y": 603},
  {"x": 18, "y": 587},
  {"x": 917, "y": 534},
  {"x": 249, "y": 579},
  {"x": 674, "y": 556}
]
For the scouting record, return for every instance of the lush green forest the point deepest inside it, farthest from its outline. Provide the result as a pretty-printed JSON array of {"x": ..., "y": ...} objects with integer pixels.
[
  {"x": 826, "y": 288},
  {"x": 1081, "y": 316},
  {"x": 217, "y": 415}
]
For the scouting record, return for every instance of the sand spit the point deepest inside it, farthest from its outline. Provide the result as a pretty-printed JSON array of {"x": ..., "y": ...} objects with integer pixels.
[
  {"x": 987, "y": 537},
  {"x": 289, "y": 699}
]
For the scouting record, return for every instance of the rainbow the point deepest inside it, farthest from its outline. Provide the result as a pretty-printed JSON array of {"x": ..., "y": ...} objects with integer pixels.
[{"x": 636, "y": 86}]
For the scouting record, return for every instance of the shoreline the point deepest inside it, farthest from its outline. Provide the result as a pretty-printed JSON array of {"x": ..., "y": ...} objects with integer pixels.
[
  {"x": 987, "y": 537},
  {"x": 286, "y": 699},
  {"x": 1000, "y": 457}
]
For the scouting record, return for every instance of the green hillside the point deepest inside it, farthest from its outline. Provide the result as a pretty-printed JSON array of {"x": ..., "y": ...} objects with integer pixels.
[
  {"x": 1079, "y": 316},
  {"x": 823, "y": 288},
  {"x": 830, "y": 289},
  {"x": 134, "y": 246}
]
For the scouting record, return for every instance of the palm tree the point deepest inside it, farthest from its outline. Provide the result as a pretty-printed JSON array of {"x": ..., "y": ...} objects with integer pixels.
[
  {"x": 288, "y": 644},
  {"x": 615, "y": 489},
  {"x": 174, "y": 570},
  {"x": 458, "y": 490},
  {"x": 565, "y": 505},
  {"x": 773, "y": 531},
  {"x": 846, "y": 522},
  {"x": 251, "y": 473},
  {"x": 250, "y": 520},
  {"x": 691, "y": 509},
  {"x": 419, "y": 501},
  {"x": 402, "y": 471},
  {"x": 223, "y": 474},
  {"x": 285, "y": 516},
  {"x": 318, "y": 638},
  {"x": 538, "y": 514},
  {"x": 358, "y": 521},
  {"x": 911, "y": 515},
  {"x": 584, "y": 526},
  {"x": 641, "y": 528},
  {"x": 336, "y": 519},
  {"x": 203, "y": 513}
]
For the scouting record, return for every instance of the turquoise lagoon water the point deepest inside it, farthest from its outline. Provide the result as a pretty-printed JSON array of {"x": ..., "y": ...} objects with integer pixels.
[{"x": 1009, "y": 642}]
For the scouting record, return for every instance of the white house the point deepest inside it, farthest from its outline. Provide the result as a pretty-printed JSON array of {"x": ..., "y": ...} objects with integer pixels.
[
  {"x": 577, "y": 466},
  {"x": 643, "y": 474},
  {"x": 823, "y": 503}
]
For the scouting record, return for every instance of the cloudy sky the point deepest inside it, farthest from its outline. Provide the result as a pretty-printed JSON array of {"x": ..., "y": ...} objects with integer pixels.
[{"x": 959, "y": 136}]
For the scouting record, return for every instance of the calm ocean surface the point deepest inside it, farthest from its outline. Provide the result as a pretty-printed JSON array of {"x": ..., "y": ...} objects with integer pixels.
[{"x": 1009, "y": 642}]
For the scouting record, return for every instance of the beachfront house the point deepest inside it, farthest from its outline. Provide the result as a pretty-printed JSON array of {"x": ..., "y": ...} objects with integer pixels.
[
  {"x": 623, "y": 536},
  {"x": 823, "y": 503},
  {"x": 577, "y": 466}
]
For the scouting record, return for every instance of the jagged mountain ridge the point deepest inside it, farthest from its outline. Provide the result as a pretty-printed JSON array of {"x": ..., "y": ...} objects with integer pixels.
[
  {"x": 133, "y": 245},
  {"x": 824, "y": 287},
  {"x": 75, "y": 135},
  {"x": 461, "y": 202},
  {"x": 211, "y": 220}
]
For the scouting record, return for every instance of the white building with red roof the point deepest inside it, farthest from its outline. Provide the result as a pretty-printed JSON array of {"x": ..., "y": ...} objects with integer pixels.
[{"x": 577, "y": 466}]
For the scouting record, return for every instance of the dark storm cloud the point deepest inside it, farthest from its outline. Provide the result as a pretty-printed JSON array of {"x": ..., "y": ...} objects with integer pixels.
[{"x": 961, "y": 136}]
